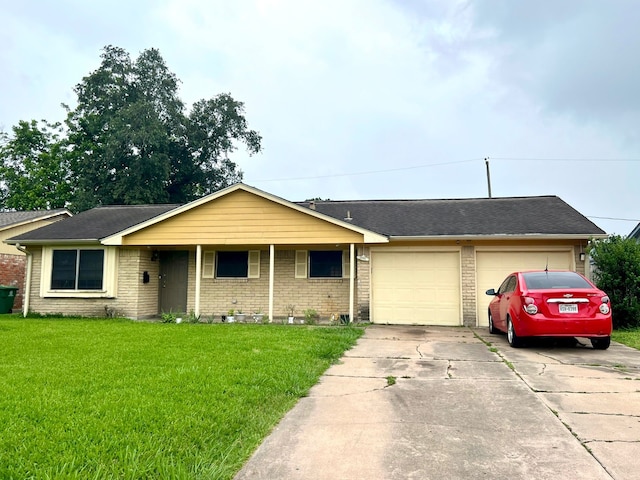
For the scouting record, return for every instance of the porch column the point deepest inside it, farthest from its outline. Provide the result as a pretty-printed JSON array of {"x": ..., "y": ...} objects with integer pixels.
[
  {"x": 272, "y": 262},
  {"x": 196, "y": 302},
  {"x": 352, "y": 280}
]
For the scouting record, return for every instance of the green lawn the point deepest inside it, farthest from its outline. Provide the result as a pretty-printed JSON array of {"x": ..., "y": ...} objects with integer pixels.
[
  {"x": 628, "y": 337},
  {"x": 85, "y": 399}
]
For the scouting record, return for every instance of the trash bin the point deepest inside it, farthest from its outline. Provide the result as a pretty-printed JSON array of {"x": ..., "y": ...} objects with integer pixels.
[{"x": 7, "y": 296}]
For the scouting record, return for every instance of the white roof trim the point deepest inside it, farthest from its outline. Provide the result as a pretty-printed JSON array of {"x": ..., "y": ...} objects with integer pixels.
[{"x": 369, "y": 236}]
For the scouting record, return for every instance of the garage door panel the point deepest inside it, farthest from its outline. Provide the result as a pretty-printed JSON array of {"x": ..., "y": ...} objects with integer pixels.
[
  {"x": 416, "y": 287},
  {"x": 493, "y": 266}
]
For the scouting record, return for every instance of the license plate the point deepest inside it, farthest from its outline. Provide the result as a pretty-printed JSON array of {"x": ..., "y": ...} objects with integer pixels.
[{"x": 568, "y": 308}]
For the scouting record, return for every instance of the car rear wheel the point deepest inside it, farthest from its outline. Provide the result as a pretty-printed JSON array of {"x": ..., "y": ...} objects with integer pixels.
[
  {"x": 512, "y": 338},
  {"x": 492, "y": 329},
  {"x": 601, "y": 343}
]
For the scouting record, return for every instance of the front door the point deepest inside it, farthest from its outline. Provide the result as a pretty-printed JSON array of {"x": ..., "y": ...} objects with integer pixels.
[{"x": 174, "y": 272}]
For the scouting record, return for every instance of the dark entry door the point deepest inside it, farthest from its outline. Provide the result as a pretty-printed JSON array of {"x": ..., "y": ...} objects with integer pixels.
[{"x": 173, "y": 281}]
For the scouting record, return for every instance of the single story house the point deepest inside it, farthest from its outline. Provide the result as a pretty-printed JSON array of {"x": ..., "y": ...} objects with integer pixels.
[
  {"x": 635, "y": 233},
  {"x": 12, "y": 260},
  {"x": 384, "y": 261}
]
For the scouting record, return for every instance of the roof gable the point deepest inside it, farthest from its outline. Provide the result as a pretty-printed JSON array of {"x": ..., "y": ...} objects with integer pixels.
[{"x": 240, "y": 215}]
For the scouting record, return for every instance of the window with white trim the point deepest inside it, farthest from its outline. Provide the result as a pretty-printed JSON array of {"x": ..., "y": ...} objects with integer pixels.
[{"x": 80, "y": 272}]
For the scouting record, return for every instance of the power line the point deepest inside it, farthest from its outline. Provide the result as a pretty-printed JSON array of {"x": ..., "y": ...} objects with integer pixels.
[
  {"x": 614, "y": 218},
  {"x": 527, "y": 159},
  {"x": 369, "y": 172}
]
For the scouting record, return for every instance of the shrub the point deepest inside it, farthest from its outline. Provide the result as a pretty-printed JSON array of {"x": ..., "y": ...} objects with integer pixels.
[{"x": 617, "y": 272}]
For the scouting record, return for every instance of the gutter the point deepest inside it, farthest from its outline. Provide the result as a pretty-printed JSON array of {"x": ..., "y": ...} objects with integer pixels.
[
  {"x": 27, "y": 289},
  {"x": 534, "y": 236}
]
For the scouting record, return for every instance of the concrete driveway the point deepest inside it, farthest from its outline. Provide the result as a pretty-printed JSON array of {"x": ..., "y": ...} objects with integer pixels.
[{"x": 455, "y": 403}]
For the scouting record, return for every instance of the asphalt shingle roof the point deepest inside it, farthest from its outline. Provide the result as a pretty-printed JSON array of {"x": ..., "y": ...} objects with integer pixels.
[
  {"x": 456, "y": 217},
  {"x": 545, "y": 215},
  {"x": 96, "y": 223},
  {"x": 13, "y": 218}
]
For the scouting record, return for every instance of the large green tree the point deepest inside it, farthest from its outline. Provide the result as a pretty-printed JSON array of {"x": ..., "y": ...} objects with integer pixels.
[
  {"x": 617, "y": 272},
  {"x": 34, "y": 167},
  {"x": 129, "y": 139},
  {"x": 133, "y": 142}
]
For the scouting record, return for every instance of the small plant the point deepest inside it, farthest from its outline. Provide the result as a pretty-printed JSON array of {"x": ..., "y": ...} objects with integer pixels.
[
  {"x": 311, "y": 316},
  {"x": 169, "y": 317},
  {"x": 231, "y": 312},
  {"x": 391, "y": 380},
  {"x": 290, "y": 310},
  {"x": 192, "y": 317}
]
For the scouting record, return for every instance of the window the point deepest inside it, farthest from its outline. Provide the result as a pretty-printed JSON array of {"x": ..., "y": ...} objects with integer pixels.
[
  {"x": 325, "y": 264},
  {"x": 232, "y": 264},
  {"x": 238, "y": 264},
  {"x": 322, "y": 264},
  {"x": 77, "y": 269}
]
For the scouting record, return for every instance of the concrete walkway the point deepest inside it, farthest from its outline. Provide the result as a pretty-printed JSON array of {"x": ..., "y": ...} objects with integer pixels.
[{"x": 458, "y": 411}]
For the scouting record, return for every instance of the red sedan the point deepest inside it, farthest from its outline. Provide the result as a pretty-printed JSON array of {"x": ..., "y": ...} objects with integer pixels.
[{"x": 550, "y": 304}]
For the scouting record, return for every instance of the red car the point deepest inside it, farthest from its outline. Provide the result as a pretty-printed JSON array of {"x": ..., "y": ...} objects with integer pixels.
[{"x": 550, "y": 304}]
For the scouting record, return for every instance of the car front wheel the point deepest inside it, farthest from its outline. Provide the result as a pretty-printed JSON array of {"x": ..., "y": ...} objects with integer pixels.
[
  {"x": 601, "y": 343},
  {"x": 512, "y": 338}
]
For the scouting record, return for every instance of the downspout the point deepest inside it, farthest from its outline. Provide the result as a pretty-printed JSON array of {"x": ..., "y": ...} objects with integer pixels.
[
  {"x": 27, "y": 289},
  {"x": 352, "y": 280}
]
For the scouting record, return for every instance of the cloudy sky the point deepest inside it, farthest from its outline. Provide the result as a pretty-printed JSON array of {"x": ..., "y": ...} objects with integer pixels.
[{"x": 376, "y": 99}]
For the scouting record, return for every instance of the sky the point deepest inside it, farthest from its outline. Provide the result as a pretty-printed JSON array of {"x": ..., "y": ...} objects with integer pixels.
[{"x": 376, "y": 99}]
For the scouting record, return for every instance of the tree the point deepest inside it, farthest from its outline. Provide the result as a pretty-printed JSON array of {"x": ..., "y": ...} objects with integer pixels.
[
  {"x": 34, "y": 167},
  {"x": 617, "y": 272},
  {"x": 133, "y": 143}
]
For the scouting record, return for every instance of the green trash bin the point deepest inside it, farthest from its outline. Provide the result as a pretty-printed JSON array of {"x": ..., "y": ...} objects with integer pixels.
[{"x": 7, "y": 296}]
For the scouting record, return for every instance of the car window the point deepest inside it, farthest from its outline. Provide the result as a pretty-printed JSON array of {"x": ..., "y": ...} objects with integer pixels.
[
  {"x": 550, "y": 280},
  {"x": 509, "y": 285}
]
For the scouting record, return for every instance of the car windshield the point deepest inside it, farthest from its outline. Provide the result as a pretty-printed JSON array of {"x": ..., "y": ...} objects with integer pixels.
[{"x": 546, "y": 280}]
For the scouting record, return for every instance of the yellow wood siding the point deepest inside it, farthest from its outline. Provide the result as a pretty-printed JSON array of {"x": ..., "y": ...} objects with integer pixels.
[{"x": 242, "y": 218}]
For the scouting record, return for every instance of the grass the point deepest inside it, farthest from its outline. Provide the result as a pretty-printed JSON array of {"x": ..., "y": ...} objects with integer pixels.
[
  {"x": 630, "y": 337},
  {"x": 95, "y": 399}
]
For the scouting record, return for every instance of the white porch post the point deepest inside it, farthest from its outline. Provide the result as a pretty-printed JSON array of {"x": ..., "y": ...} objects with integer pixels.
[
  {"x": 196, "y": 302},
  {"x": 272, "y": 250},
  {"x": 352, "y": 280}
]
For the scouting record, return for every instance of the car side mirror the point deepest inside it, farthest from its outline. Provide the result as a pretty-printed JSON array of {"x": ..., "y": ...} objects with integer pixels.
[{"x": 491, "y": 291}]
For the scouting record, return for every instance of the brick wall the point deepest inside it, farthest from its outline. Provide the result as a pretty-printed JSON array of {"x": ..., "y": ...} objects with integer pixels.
[
  {"x": 468, "y": 270},
  {"x": 12, "y": 272}
]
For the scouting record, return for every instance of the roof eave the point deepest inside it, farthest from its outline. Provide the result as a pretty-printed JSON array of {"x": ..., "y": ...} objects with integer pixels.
[
  {"x": 532, "y": 236},
  {"x": 56, "y": 241}
]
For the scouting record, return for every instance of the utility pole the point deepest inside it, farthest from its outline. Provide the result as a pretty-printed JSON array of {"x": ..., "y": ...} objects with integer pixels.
[{"x": 486, "y": 161}]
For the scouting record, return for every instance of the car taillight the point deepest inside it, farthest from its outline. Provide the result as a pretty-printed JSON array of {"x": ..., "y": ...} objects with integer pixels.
[
  {"x": 530, "y": 305},
  {"x": 604, "y": 306}
]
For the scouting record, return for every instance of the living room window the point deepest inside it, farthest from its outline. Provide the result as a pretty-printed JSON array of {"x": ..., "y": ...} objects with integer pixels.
[
  {"x": 79, "y": 272},
  {"x": 77, "y": 269}
]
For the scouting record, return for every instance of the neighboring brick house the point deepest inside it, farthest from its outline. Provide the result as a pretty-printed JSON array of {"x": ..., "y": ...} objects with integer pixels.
[
  {"x": 13, "y": 261},
  {"x": 387, "y": 261}
]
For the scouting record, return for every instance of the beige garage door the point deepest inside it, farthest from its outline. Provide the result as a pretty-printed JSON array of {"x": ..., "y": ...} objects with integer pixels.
[
  {"x": 415, "y": 288},
  {"x": 493, "y": 267}
]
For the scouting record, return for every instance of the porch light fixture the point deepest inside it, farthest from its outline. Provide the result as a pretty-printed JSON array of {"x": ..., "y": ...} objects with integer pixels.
[
  {"x": 154, "y": 255},
  {"x": 583, "y": 256},
  {"x": 363, "y": 258}
]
